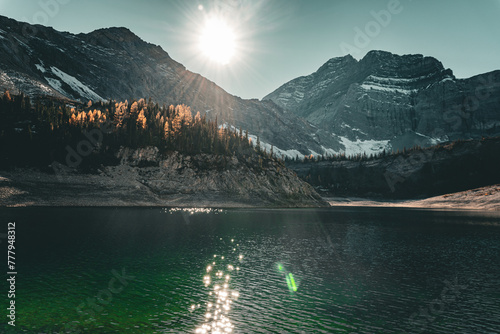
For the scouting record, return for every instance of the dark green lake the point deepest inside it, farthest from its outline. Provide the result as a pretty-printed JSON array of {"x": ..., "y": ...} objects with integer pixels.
[{"x": 346, "y": 270}]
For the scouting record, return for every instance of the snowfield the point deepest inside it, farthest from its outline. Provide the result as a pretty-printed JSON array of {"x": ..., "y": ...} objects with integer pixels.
[
  {"x": 75, "y": 84},
  {"x": 364, "y": 146},
  {"x": 373, "y": 86}
]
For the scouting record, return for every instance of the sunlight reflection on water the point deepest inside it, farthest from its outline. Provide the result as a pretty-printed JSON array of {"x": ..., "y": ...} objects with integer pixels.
[{"x": 221, "y": 297}]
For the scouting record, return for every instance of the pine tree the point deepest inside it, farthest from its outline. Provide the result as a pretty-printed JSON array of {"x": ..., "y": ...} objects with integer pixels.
[
  {"x": 6, "y": 96},
  {"x": 167, "y": 130},
  {"x": 134, "y": 108},
  {"x": 141, "y": 120},
  {"x": 120, "y": 115},
  {"x": 176, "y": 121}
]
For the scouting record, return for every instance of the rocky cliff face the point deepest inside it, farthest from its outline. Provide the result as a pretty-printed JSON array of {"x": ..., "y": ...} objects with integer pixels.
[
  {"x": 393, "y": 101},
  {"x": 145, "y": 178},
  {"x": 208, "y": 177},
  {"x": 116, "y": 64}
]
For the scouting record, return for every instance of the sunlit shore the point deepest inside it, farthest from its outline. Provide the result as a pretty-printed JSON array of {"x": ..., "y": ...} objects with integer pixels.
[{"x": 486, "y": 198}]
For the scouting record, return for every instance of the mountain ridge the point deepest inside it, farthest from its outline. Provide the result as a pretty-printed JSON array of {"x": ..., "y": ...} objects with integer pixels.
[
  {"x": 380, "y": 102},
  {"x": 396, "y": 100}
]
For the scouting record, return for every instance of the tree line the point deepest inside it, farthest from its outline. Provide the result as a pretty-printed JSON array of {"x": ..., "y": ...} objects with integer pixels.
[
  {"x": 359, "y": 157},
  {"x": 38, "y": 132}
]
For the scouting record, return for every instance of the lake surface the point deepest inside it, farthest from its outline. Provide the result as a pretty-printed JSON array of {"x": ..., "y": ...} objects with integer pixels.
[{"x": 345, "y": 270}]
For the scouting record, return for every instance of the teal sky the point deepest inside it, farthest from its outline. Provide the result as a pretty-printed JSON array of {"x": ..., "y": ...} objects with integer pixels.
[{"x": 279, "y": 40}]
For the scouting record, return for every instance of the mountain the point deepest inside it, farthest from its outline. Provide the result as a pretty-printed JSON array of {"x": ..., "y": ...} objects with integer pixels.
[
  {"x": 388, "y": 101},
  {"x": 115, "y": 64},
  {"x": 382, "y": 102}
]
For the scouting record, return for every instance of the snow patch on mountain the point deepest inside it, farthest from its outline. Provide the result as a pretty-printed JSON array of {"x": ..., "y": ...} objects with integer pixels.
[
  {"x": 433, "y": 141},
  {"x": 364, "y": 146},
  {"x": 329, "y": 151},
  {"x": 398, "y": 80},
  {"x": 40, "y": 68},
  {"x": 56, "y": 84},
  {"x": 276, "y": 150},
  {"x": 373, "y": 86},
  {"x": 264, "y": 146},
  {"x": 76, "y": 85}
]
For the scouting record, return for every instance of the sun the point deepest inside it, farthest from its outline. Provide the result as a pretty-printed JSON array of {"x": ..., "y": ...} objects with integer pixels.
[{"x": 217, "y": 41}]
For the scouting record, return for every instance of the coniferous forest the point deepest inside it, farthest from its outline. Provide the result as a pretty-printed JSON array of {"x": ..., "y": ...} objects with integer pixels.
[{"x": 47, "y": 130}]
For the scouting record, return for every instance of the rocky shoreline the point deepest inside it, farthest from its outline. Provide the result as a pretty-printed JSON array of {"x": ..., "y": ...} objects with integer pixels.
[
  {"x": 143, "y": 178},
  {"x": 485, "y": 199}
]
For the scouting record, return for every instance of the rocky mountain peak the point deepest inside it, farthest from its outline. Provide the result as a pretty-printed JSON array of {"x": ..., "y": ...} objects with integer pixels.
[
  {"x": 389, "y": 101},
  {"x": 383, "y": 63},
  {"x": 111, "y": 37},
  {"x": 338, "y": 61}
]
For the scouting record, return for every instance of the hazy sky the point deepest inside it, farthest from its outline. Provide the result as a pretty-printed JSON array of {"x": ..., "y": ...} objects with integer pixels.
[{"x": 278, "y": 40}]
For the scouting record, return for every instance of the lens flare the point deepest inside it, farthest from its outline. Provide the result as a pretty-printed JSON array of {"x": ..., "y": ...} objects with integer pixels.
[{"x": 290, "y": 281}]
